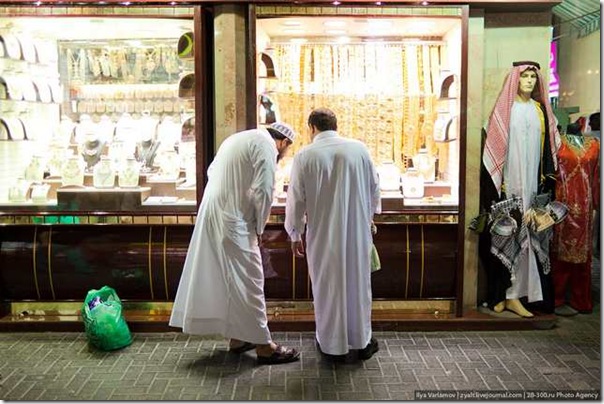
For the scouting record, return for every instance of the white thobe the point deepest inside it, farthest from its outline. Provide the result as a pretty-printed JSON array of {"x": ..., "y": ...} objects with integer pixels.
[
  {"x": 334, "y": 184},
  {"x": 221, "y": 290},
  {"x": 521, "y": 177}
]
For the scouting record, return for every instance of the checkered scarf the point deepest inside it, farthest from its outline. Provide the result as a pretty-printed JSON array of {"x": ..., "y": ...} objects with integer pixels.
[
  {"x": 498, "y": 128},
  {"x": 509, "y": 249}
]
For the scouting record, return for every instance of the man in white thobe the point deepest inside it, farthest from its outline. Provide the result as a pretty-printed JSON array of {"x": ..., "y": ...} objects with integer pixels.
[
  {"x": 221, "y": 290},
  {"x": 334, "y": 192}
]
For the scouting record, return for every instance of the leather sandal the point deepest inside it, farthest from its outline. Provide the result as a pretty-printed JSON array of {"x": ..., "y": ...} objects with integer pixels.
[
  {"x": 246, "y": 346},
  {"x": 280, "y": 355}
]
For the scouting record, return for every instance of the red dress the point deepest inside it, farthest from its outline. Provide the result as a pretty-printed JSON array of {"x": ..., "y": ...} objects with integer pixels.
[{"x": 579, "y": 188}]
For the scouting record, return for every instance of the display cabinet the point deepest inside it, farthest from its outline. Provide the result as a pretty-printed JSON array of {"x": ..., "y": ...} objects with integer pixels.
[
  {"x": 92, "y": 117},
  {"x": 106, "y": 192},
  {"x": 394, "y": 78}
]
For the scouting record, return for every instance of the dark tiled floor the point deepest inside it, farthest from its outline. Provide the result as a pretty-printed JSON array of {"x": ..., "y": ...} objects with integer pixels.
[{"x": 173, "y": 366}]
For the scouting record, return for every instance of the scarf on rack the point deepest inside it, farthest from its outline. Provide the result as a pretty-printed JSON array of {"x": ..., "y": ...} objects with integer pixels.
[{"x": 498, "y": 128}]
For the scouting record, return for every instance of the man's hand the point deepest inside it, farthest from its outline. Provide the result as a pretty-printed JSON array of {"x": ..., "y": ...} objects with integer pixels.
[
  {"x": 298, "y": 249},
  {"x": 259, "y": 236}
]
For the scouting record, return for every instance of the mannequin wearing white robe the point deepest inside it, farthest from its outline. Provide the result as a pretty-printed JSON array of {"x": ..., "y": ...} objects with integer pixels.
[
  {"x": 334, "y": 184},
  {"x": 521, "y": 178},
  {"x": 221, "y": 290}
]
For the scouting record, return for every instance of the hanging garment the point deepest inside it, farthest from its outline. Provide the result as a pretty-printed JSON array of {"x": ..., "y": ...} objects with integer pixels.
[{"x": 579, "y": 189}]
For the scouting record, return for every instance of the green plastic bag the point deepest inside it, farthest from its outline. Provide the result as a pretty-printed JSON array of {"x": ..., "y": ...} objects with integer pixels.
[
  {"x": 104, "y": 323},
  {"x": 376, "y": 265}
]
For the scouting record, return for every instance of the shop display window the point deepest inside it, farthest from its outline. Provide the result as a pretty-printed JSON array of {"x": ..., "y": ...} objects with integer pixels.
[
  {"x": 97, "y": 113},
  {"x": 393, "y": 82}
]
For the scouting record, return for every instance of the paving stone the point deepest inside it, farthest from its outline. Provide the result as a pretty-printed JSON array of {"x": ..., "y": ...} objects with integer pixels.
[
  {"x": 380, "y": 392},
  {"x": 309, "y": 392},
  {"x": 174, "y": 366}
]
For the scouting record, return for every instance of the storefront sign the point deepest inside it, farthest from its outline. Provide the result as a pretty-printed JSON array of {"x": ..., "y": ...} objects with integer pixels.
[{"x": 554, "y": 79}]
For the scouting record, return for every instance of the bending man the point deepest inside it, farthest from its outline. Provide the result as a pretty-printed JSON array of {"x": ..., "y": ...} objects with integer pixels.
[{"x": 221, "y": 290}]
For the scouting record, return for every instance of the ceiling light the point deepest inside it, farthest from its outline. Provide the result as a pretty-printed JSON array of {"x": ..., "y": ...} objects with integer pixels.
[
  {"x": 291, "y": 23},
  {"x": 335, "y": 23},
  {"x": 336, "y": 3},
  {"x": 335, "y": 31},
  {"x": 378, "y": 3}
]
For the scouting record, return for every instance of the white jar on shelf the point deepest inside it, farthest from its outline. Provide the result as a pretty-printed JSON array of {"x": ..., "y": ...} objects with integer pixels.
[
  {"x": 425, "y": 164},
  {"x": 390, "y": 176},
  {"x": 73, "y": 171},
  {"x": 169, "y": 166},
  {"x": 413, "y": 184},
  {"x": 103, "y": 174},
  {"x": 17, "y": 192},
  {"x": 56, "y": 161},
  {"x": 34, "y": 172},
  {"x": 129, "y": 174},
  {"x": 39, "y": 193}
]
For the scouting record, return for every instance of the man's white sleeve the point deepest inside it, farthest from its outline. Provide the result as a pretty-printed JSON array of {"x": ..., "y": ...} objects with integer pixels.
[
  {"x": 376, "y": 199},
  {"x": 295, "y": 208},
  {"x": 263, "y": 183}
]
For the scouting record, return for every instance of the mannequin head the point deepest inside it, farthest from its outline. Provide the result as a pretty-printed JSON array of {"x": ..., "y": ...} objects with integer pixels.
[{"x": 527, "y": 83}]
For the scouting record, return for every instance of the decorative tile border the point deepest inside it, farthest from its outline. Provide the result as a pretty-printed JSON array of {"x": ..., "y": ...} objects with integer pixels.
[
  {"x": 95, "y": 219},
  {"x": 176, "y": 11},
  {"x": 357, "y": 10},
  {"x": 190, "y": 219},
  {"x": 394, "y": 219}
]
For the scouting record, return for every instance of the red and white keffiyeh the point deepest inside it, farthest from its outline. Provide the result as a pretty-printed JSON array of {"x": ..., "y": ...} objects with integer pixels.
[{"x": 498, "y": 128}]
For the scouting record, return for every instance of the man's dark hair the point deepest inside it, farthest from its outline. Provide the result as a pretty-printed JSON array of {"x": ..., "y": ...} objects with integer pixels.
[
  {"x": 323, "y": 119},
  {"x": 594, "y": 121},
  {"x": 573, "y": 129},
  {"x": 276, "y": 134}
]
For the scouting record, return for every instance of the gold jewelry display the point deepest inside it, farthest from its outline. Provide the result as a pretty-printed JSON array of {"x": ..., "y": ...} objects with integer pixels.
[{"x": 382, "y": 93}]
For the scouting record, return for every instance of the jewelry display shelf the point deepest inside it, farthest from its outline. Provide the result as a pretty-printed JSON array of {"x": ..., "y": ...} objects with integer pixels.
[
  {"x": 187, "y": 193},
  {"x": 110, "y": 199},
  {"x": 161, "y": 187}
]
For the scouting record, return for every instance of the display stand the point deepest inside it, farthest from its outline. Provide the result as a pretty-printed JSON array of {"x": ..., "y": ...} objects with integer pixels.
[{"x": 88, "y": 198}]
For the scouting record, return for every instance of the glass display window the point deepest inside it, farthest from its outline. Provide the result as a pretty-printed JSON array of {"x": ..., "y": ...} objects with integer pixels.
[
  {"x": 393, "y": 82},
  {"x": 97, "y": 113}
]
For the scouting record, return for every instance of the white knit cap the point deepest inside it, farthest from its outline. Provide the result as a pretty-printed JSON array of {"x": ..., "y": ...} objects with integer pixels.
[{"x": 284, "y": 129}]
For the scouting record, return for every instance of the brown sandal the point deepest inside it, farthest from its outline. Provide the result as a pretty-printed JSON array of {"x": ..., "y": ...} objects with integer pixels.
[{"x": 280, "y": 355}]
